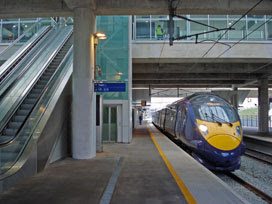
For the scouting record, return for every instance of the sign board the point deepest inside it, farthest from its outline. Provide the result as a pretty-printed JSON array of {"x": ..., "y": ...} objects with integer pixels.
[{"x": 109, "y": 87}]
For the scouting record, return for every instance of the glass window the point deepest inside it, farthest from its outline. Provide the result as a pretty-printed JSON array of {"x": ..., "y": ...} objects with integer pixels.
[
  {"x": 145, "y": 16},
  {"x": 258, "y": 34},
  {"x": 180, "y": 28},
  {"x": 269, "y": 28},
  {"x": 9, "y": 32},
  {"x": 213, "y": 109},
  {"x": 218, "y": 24},
  {"x": 159, "y": 16},
  {"x": 10, "y": 20},
  {"x": 28, "y": 19},
  {"x": 197, "y": 28},
  {"x": 29, "y": 34},
  {"x": 160, "y": 29},
  {"x": 199, "y": 16},
  {"x": 255, "y": 16},
  {"x": 239, "y": 29},
  {"x": 219, "y": 16},
  {"x": 235, "y": 16},
  {"x": 143, "y": 29}
]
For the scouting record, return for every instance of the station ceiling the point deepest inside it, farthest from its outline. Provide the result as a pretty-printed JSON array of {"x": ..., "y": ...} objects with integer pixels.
[{"x": 199, "y": 75}]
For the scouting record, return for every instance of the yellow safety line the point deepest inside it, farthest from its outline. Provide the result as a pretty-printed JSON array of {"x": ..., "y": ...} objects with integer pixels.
[{"x": 188, "y": 196}]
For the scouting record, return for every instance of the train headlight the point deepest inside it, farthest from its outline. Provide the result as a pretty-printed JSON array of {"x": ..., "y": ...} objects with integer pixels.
[
  {"x": 238, "y": 131},
  {"x": 203, "y": 129}
]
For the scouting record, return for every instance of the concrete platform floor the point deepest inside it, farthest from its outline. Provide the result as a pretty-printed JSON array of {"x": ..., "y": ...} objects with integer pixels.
[
  {"x": 144, "y": 178},
  {"x": 252, "y": 132}
]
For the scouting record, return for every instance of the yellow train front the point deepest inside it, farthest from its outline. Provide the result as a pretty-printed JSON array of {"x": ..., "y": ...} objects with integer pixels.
[{"x": 209, "y": 126}]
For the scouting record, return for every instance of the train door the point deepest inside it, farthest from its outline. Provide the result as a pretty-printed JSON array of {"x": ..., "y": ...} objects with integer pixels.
[{"x": 180, "y": 121}]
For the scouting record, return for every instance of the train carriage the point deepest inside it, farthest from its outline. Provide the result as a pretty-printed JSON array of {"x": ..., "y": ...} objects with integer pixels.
[{"x": 209, "y": 126}]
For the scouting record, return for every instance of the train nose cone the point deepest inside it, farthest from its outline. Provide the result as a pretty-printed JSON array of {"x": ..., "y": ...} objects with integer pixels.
[{"x": 224, "y": 142}]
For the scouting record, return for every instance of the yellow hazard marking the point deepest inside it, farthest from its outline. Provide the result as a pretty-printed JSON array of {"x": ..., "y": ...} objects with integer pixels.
[{"x": 188, "y": 196}]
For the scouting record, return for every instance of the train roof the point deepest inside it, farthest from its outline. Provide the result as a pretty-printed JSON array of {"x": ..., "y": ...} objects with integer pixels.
[{"x": 195, "y": 95}]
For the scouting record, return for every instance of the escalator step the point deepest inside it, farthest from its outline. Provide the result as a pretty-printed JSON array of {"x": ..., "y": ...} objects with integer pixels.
[
  {"x": 33, "y": 95},
  {"x": 55, "y": 64},
  {"x": 14, "y": 125},
  {"x": 29, "y": 101},
  {"x": 10, "y": 132},
  {"x": 42, "y": 82},
  {"x": 36, "y": 91},
  {"x": 22, "y": 139},
  {"x": 14, "y": 148},
  {"x": 23, "y": 112},
  {"x": 45, "y": 77},
  {"x": 19, "y": 118},
  {"x": 5, "y": 138},
  {"x": 39, "y": 86},
  {"x": 8, "y": 156},
  {"x": 50, "y": 70},
  {"x": 26, "y": 106},
  {"x": 47, "y": 74}
]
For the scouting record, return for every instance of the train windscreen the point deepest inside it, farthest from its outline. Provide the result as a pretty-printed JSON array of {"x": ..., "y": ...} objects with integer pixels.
[{"x": 213, "y": 109}]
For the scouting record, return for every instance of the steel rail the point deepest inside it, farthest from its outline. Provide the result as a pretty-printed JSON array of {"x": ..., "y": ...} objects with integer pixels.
[
  {"x": 250, "y": 187},
  {"x": 259, "y": 157}
]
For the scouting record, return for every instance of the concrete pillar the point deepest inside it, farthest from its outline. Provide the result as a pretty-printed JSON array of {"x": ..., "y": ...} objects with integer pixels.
[
  {"x": 83, "y": 106},
  {"x": 235, "y": 98},
  {"x": 263, "y": 105}
]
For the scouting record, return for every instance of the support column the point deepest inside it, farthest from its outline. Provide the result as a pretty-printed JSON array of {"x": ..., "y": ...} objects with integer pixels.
[
  {"x": 235, "y": 98},
  {"x": 263, "y": 105},
  {"x": 83, "y": 106}
]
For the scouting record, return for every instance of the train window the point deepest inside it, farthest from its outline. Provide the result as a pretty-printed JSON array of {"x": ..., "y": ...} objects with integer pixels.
[{"x": 221, "y": 112}]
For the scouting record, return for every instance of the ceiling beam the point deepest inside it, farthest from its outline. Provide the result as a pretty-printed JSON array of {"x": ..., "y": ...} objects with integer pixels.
[
  {"x": 191, "y": 76},
  {"x": 39, "y": 8},
  {"x": 245, "y": 68},
  {"x": 187, "y": 82}
]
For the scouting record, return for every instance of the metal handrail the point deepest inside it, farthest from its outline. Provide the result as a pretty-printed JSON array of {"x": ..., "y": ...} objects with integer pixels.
[
  {"x": 14, "y": 109},
  {"x": 21, "y": 157},
  {"x": 40, "y": 96},
  {"x": 20, "y": 37},
  {"x": 26, "y": 66},
  {"x": 36, "y": 43}
]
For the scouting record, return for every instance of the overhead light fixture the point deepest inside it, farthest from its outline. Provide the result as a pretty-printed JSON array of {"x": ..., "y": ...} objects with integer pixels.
[
  {"x": 100, "y": 36},
  {"x": 120, "y": 73}
]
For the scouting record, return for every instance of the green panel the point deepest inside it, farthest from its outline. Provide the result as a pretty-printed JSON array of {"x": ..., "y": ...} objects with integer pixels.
[
  {"x": 113, "y": 53},
  {"x": 113, "y": 125},
  {"x": 105, "y": 131}
]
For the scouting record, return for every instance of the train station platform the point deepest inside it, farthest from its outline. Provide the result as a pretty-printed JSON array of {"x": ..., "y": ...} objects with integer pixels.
[
  {"x": 253, "y": 133},
  {"x": 151, "y": 169}
]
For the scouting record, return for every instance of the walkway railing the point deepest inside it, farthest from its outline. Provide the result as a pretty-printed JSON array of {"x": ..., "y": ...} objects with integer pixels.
[{"x": 252, "y": 121}]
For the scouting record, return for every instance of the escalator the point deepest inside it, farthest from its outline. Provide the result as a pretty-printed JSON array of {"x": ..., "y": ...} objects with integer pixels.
[
  {"x": 16, "y": 66},
  {"x": 8, "y": 67},
  {"x": 27, "y": 96}
]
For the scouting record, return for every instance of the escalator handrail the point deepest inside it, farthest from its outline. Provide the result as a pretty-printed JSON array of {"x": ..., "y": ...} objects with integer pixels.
[
  {"x": 41, "y": 116},
  {"x": 2, "y": 94},
  {"x": 38, "y": 101},
  {"x": 32, "y": 84},
  {"x": 16, "y": 55},
  {"x": 43, "y": 34},
  {"x": 20, "y": 37}
]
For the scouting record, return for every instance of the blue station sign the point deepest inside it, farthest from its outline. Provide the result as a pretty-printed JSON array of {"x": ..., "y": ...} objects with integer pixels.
[{"x": 109, "y": 87}]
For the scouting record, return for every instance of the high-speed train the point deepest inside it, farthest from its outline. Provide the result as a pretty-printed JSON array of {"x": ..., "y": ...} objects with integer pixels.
[{"x": 208, "y": 126}]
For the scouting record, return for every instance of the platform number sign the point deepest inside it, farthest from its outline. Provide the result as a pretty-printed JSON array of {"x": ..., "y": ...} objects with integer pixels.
[{"x": 110, "y": 87}]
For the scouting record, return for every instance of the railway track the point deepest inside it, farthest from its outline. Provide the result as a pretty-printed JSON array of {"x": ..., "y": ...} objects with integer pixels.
[
  {"x": 259, "y": 155},
  {"x": 250, "y": 187}
]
